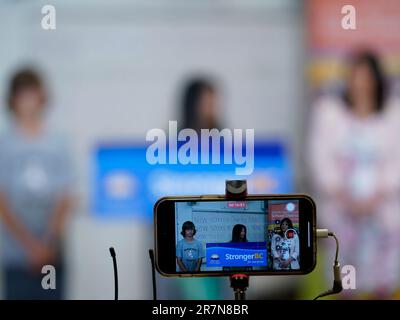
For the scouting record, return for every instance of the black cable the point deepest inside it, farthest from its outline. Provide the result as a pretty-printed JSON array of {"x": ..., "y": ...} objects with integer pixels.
[
  {"x": 153, "y": 274},
  {"x": 331, "y": 234},
  {"x": 337, "y": 280},
  {"x": 113, "y": 255}
]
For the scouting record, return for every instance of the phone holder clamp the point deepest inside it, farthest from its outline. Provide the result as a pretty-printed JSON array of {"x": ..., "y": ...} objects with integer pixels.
[{"x": 239, "y": 283}]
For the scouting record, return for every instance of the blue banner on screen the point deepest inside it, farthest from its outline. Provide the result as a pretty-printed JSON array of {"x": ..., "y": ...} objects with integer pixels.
[
  {"x": 125, "y": 185},
  {"x": 248, "y": 254}
]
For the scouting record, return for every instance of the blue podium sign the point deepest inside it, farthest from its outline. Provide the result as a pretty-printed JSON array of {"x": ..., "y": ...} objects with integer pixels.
[
  {"x": 245, "y": 254},
  {"x": 124, "y": 184}
]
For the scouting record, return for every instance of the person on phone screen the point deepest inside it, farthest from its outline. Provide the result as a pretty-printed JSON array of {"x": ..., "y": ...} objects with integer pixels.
[
  {"x": 189, "y": 251},
  {"x": 239, "y": 233},
  {"x": 285, "y": 247}
]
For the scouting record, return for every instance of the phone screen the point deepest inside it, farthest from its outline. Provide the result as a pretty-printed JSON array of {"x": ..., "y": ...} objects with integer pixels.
[
  {"x": 237, "y": 236},
  {"x": 214, "y": 235}
]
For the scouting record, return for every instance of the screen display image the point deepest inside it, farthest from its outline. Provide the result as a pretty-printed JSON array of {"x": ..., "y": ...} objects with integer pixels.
[{"x": 237, "y": 235}]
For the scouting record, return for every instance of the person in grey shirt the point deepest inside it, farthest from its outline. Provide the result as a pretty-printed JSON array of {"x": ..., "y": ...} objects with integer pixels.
[
  {"x": 189, "y": 251},
  {"x": 35, "y": 179}
]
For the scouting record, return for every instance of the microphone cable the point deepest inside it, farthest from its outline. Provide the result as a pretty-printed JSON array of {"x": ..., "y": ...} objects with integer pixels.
[
  {"x": 113, "y": 255},
  {"x": 337, "y": 277},
  {"x": 153, "y": 274}
]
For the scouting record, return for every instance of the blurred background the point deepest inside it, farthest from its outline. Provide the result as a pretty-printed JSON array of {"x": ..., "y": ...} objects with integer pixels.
[{"x": 111, "y": 71}]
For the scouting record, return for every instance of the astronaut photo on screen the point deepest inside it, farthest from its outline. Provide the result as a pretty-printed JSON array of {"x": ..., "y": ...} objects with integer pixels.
[{"x": 285, "y": 247}]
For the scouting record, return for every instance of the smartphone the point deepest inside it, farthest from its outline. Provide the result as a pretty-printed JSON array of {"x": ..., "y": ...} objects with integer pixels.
[{"x": 215, "y": 235}]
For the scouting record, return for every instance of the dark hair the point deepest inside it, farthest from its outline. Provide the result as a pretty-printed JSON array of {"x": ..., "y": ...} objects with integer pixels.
[
  {"x": 21, "y": 80},
  {"x": 372, "y": 62},
  {"x": 190, "y": 101},
  {"x": 237, "y": 229},
  {"x": 188, "y": 225},
  {"x": 289, "y": 222}
]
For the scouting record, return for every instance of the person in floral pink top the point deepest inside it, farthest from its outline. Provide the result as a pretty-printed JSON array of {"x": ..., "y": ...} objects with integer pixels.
[{"x": 355, "y": 166}]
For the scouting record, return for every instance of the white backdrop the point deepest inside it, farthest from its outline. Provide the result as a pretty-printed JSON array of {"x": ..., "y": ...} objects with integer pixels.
[{"x": 214, "y": 221}]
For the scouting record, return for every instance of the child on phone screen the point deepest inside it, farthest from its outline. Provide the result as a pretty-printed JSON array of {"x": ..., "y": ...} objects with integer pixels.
[{"x": 189, "y": 251}]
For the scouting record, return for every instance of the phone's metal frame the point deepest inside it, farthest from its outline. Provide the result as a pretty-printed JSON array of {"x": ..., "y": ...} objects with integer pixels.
[{"x": 246, "y": 198}]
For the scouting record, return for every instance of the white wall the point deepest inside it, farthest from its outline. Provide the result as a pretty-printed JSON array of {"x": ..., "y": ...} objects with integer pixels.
[
  {"x": 115, "y": 69},
  {"x": 214, "y": 221}
]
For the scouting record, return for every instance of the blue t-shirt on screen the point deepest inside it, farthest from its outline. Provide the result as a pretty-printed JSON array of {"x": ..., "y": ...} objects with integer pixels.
[{"x": 190, "y": 252}]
